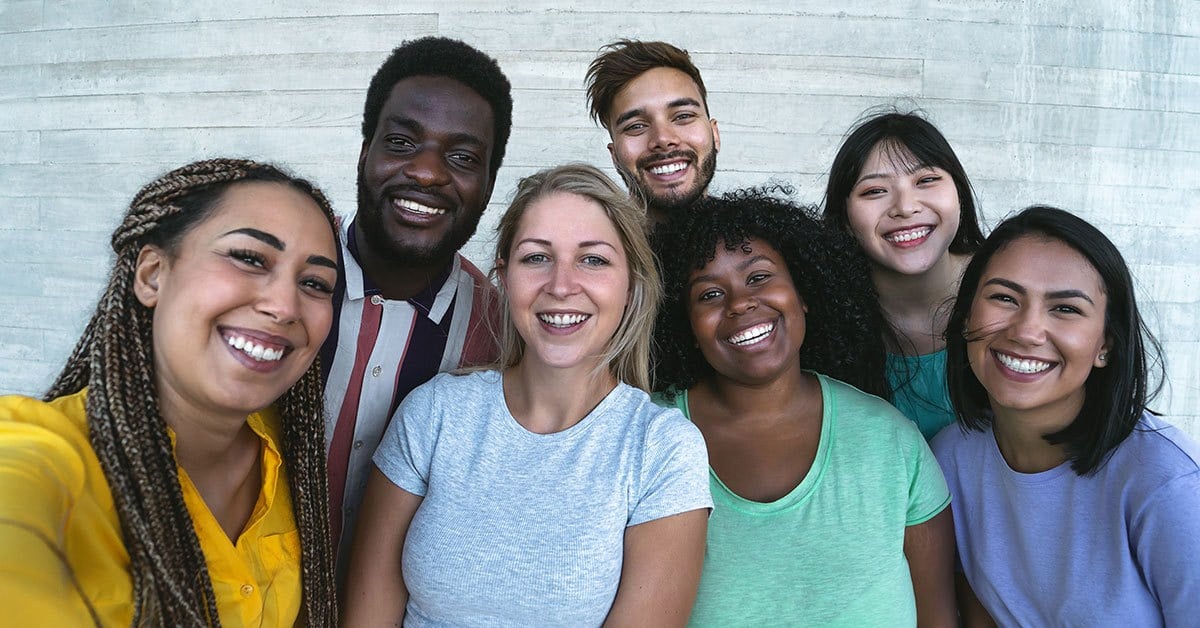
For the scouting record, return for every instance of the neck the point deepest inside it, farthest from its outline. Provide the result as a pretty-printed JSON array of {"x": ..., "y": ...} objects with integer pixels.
[
  {"x": 918, "y": 306},
  {"x": 204, "y": 441},
  {"x": 396, "y": 281},
  {"x": 783, "y": 398},
  {"x": 1020, "y": 436},
  {"x": 547, "y": 400}
]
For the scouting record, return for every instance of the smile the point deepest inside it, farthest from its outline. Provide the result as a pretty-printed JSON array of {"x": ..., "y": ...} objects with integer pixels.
[
  {"x": 752, "y": 335},
  {"x": 670, "y": 168},
  {"x": 1025, "y": 366},
  {"x": 417, "y": 208},
  {"x": 908, "y": 235},
  {"x": 563, "y": 320},
  {"x": 259, "y": 352}
]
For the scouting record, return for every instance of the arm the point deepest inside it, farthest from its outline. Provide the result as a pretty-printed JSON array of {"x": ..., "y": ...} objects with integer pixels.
[
  {"x": 929, "y": 548},
  {"x": 974, "y": 615},
  {"x": 375, "y": 592},
  {"x": 660, "y": 571}
]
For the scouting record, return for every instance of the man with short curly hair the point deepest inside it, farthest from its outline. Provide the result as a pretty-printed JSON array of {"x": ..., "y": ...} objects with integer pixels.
[
  {"x": 407, "y": 305},
  {"x": 651, "y": 99}
]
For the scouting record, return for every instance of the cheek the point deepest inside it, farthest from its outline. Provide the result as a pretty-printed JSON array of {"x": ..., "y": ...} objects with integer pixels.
[{"x": 860, "y": 219}]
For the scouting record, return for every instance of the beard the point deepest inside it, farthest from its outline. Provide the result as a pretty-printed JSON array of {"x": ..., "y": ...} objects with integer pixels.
[
  {"x": 406, "y": 254},
  {"x": 674, "y": 202}
]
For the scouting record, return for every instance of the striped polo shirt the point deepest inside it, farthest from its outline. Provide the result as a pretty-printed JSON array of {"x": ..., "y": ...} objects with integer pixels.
[{"x": 378, "y": 350}]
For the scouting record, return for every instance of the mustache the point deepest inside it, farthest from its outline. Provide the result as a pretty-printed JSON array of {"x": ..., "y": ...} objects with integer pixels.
[
  {"x": 645, "y": 162},
  {"x": 399, "y": 189}
]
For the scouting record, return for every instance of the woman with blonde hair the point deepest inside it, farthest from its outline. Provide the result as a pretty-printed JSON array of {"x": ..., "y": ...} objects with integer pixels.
[
  {"x": 550, "y": 489},
  {"x": 175, "y": 473}
]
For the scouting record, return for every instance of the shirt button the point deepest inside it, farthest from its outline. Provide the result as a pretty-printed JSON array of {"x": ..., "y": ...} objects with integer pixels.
[
  {"x": 247, "y": 589},
  {"x": 376, "y": 371},
  {"x": 376, "y": 299},
  {"x": 358, "y": 444}
]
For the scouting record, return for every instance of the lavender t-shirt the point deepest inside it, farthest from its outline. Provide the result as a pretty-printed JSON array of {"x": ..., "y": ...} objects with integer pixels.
[{"x": 1117, "y": 548}]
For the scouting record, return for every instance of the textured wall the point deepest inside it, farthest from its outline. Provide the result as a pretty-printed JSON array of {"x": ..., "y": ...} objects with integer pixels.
[{"x": 1093, "y": 105}]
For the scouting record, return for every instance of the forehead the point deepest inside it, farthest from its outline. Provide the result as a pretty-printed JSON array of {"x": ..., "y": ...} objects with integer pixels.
[
  {"x": 729, "y": 260},
  {"x": 567, "y": 217},
  {"x": 440, "y": 105},
  {"x": 1041, "y": 263},
  {"x": 275, "y": 208},
  {"x": 891, "y": 155},
  {"x": 655, "y": 88}
]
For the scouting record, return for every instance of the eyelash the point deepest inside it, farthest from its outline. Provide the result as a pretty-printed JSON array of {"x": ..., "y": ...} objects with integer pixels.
[{"x": 247, "y": 257}]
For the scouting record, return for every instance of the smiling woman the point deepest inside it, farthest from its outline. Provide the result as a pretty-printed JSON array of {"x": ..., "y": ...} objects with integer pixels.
[
  {"x": 1073, "y": 504},
  {"x": 550, "y": 488},
  {"x": 175, "y": 474}
]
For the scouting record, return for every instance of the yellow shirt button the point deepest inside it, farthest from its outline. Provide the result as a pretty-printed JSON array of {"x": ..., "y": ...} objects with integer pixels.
[{"x": 247, "y": 589}]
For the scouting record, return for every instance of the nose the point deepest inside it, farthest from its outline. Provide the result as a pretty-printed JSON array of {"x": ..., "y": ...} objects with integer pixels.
[
  {"x": 1028, "y": 327},
  {"x": 739, "y": 303},
  {"x": 280, "y": 300},
  {"x": 663, "y": 137},
  {"x": 905, "y": 202},
  {"x": 426, "y": 168},
  {"x": 563, "y": 281}
]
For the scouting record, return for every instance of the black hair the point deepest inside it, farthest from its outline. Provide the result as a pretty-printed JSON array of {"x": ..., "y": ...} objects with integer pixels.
[
  {"x": 1114, "y": 396},
  {"x": 441, "y": 56},
  {"x": 901, "y": 133},
  {"x": 843, "y": 329}
]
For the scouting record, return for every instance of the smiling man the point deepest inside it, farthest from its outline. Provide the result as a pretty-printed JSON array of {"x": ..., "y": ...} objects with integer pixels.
[
  {"x": 651, "y": 99},
  {"x": 408, "y": 305}
]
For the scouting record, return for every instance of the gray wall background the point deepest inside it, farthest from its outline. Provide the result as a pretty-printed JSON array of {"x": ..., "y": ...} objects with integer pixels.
[{"x": 1092, "y": 105}]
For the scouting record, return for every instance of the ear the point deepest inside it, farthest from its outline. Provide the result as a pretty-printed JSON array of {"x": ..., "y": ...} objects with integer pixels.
[
  {"x": 362, "y": 155},
  {"x": 612, "y": 154},
  {"x": 1102, "y": 358},
  {"x": 151, "y": 265},
  {"x": 501, "y": 272},
  {"x": 716, "y": 135}
]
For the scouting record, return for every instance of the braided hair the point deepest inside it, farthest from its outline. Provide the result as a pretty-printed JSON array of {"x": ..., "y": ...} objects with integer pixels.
[
  {"x": 842, "y": 337},
  {"x": 114, "y": 361}
]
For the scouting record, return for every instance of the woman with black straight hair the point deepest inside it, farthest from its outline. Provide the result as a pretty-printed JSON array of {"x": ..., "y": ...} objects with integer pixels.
[{"x": 1073, "y": 504}]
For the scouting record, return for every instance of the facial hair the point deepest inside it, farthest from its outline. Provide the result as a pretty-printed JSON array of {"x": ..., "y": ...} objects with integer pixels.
[
  {"x": 676, "y": 202},
  {"x": 402, "y": 254}
]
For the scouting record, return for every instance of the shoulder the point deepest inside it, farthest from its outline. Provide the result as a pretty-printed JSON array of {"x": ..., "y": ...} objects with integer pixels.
[
  {"x": 1154, "y": 454},
  {"x": 660, "y": 425},
  {"x": 482, "y": 284},
  {"x": 858, "y": 411},
  {"x": 49, "y": 436}
]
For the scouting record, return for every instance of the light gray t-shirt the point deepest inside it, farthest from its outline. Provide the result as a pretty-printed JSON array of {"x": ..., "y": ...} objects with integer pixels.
[{"x": 518, "y": 528}]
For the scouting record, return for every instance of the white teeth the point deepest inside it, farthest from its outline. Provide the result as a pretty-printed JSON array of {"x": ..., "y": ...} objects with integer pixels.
[
  {"x": 256, "y": 351},
  {"x": 418, "y": 208},
  {"x": 752, "y": 335},
  {"x": 562, "y": 320},
  {"x": 1023, "y": 366},
  {"x": 669, "y": 168},
  {"x": 908, "y": 236}
]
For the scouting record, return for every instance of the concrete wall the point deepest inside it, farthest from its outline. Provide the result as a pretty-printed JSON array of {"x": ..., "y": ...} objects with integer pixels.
[{"x": 1093, "y": 105}]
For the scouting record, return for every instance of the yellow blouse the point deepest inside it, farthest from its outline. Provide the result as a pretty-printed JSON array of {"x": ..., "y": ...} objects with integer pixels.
[{"x": 60, "y": 535}]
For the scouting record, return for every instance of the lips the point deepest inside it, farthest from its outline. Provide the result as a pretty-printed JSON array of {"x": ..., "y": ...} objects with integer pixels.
[
  {"x": 1024, "y": 366},
  {"x": 417, "y": 208},
  {"x": 909, "y": 236},
  {"x": 255, "y": 345},
  {"x": 563, "y": 320},
  {"x": 668, "y": 165},
  {"x": 752, "y": 335}
]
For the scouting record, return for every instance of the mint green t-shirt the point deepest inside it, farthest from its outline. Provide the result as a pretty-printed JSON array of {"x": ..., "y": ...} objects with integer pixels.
[
  {"x": 919, "y": 390},
  {"x": 830, "y": 552}
]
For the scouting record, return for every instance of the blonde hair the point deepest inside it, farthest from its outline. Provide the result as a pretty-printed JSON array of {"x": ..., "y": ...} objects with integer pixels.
[{"x": 628, "y": 353}]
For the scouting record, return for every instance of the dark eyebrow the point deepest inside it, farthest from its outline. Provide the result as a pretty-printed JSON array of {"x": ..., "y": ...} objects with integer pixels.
[
  {"x": 263, "y": 236},
  {"x": 683, "y": 102},
  {"x": 321, "y": 260},
  {"x": 455, "y": 138},
  {"x": 742, "y": 266},
  {"x": 632, "y": 113},
  {"x": 1056, "y": 294}
]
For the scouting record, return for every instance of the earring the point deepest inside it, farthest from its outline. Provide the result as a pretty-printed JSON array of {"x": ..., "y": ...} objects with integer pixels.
[{"x": 1103, "y": 357}]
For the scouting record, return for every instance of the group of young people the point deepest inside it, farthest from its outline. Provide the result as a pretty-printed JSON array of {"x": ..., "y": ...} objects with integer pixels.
[{"x": 664, "y": 406}]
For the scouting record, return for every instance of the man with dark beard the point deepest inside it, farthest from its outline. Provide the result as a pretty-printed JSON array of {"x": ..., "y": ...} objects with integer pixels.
[
  {"x": 651, "y": 99},
  {"x": 407, "y": 305}
]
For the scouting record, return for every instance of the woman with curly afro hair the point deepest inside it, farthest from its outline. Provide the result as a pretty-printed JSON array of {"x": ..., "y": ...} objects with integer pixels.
[{"x": 828, "y": 505}]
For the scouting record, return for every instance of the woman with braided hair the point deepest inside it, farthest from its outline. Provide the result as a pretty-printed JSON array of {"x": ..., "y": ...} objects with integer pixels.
[{"x": 175, "y": 473}]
